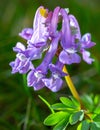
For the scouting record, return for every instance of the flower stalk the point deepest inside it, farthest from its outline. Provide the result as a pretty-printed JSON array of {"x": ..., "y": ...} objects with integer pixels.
[{"x": 71, "y": 85}]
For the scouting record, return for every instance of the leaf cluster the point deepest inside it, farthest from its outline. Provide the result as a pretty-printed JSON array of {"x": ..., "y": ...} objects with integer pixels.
[{"x": 69, "y": 113}]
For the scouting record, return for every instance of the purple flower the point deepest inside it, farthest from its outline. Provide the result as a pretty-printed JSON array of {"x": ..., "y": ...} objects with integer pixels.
[
  {"x": 82, "y": 43},
  {"x": 40, "y": 34},
  {"x": 35, "y": 77},
  {"x": 54, "y": 22},
  {"x": 86, "y": 43},
  {"x": 75, "y": 29},
  {"x": 22, "y": 63},
  {"x": 66, "y": 38},
  {"x": 86, "y": 57},
  {"x": 34, "y": 53},
  {"x": 57, "y": 69},
  {"x": 26, "y": 33},
  {"x": 68, "y": 55},
  {"x": 45, "y": 37},
  {"x": 54, "y": 83}
]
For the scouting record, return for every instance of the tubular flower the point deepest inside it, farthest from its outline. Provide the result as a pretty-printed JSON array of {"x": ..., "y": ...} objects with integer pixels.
[
  {"x": 54, "y": 83},
  {"x": 41, "y": 71},
  {"x": 68, "y": 54},
  {"x": 26, "y": 33},
  {"x": 85, "y": 44},
  {"x": 40, "y": 34},
  {"x": 54, "y": 22},
  {"x": 22, "y": 63},
  {"x": 45, "y": 37}
]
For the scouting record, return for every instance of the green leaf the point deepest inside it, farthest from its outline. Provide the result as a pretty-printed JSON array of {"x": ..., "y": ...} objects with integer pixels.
[
  {"x": 60, "y": 106},
  {"x": 97, "y": 124},
  {"x": 88, "y": 99},
  {"x": 97, "y": 110},
  {"x": 81, "y": 116},
  {"x": 97, "y": 118},
  {"x": 55, "y": 118},
  {"x": 87, "y": 102},
  {"x": 75, "y": 117},
  {"x": 67, "y": 102},
  {"x": 94, "y": 127},
  {"x": 84, "y": 125},
  {"x": 76, "y": 103},
  {"x": 62, "y": 125},
  {"x": 96, "y": 99}
]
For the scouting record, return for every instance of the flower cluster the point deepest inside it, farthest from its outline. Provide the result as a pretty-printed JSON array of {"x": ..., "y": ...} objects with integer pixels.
[{"x": 47, "y": 37}]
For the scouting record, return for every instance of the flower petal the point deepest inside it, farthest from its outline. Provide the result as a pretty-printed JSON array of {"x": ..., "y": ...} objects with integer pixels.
[
  {"x": 86, "y": 57},
  {"x": 40, "y": 34},
  {"x": 53, "y": 84},
  {"x": 54, "y": 21},
  {"x": 35, "y": 80},
  {"x": 75, "y": 27},
  {"x": 49, "y": 55},
  {"x": 86, "y": 41},
  {"x": 66, "y": 39},
  {"x": 19, "y": 47},
  {"x": 56, "y": 69},
  {"x": 26, "y": 33},
  {"x": 69, "y": 58}
]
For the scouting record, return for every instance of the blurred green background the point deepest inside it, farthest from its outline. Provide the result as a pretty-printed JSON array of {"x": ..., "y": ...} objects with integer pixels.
[{"x": 20, "y": 106}]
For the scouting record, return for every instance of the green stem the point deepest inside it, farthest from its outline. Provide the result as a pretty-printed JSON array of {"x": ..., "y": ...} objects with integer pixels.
[
  {"x": 27, "y": 114},
  {"x": 49, "y": 106},
  {"x": 25, "y": 85}
]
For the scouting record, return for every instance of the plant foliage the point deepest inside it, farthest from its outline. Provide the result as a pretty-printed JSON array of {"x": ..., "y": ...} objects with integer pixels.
[{"x": 69, "y": 112}]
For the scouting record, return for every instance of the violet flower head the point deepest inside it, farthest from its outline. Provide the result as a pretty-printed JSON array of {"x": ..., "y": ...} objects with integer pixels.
[
  {"x": 86, "y": 43},
  {"x": 45, "y": 38},
  {"x": 22, "y": 63}
]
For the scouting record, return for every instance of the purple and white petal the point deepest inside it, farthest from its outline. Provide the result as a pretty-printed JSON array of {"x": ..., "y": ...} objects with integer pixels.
[
  {"x": 66, "y": 38},
  {"x": 14, "y": 65},
  {"x": 86, "y": 41},
  {"x": 22, "y": 64},
  {"x": 49, "y": 55},
  {"x": 33, "y": 53},
  {"x": 40, "y": 34},
  {"x": 75, "y": 27},
  {"x": 34, "y": 79},
  {"x": 26, "y": 33},
  {"x": 39, "y": 73},
  {"x": 57, "y": 70},
  {"x": 69, "y": 58},
  {"x": 19, "y": 47},
  {"x": 86, "y": 57},
  {"x": 54, "y": 22},
  {"x": 54, "y": 84}
]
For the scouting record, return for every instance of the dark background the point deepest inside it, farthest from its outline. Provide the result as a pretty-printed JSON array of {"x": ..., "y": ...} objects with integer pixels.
[{"x": 20, "y": 106}]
